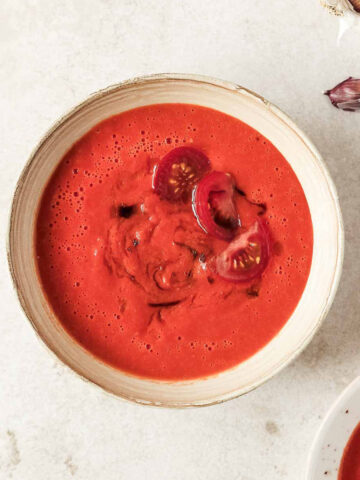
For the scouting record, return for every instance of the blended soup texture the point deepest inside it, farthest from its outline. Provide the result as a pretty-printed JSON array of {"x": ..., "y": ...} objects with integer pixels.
[
  {"x": 350, "y": 463},
  {"x": 138, "y": 272}
]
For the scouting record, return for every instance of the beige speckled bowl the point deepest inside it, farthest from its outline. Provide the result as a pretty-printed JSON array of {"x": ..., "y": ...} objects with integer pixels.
[{"x": 292, "y": 143}]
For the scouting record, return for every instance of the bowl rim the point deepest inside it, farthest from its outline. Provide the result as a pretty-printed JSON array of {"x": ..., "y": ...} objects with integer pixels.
[
  {"x": 344, "y": 396},
  {"x": 234, "y": 88}
]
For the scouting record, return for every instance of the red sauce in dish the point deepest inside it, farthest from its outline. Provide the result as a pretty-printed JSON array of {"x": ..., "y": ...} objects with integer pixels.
[
  {"x": 141, "y": 281},
  {"x": 350, "y": 463}
]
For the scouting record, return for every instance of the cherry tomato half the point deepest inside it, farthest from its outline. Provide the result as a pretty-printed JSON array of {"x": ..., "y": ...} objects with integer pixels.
[
  {"x": 247, "y": 256},
  {"x": 178, "y": 172},
  {"x": 214, "y": 206}
]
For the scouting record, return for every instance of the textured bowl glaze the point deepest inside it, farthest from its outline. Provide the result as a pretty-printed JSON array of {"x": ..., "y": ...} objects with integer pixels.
[
  {"x": 290, "y": 141},
  {"x": 333, "y": 435}
]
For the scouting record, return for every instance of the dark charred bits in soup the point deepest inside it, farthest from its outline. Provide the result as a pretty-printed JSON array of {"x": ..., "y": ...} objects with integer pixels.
[
  {"x": 253, "y": 291},
  {"x": 126, "y": 211},
  {"x": 240, "y": 192},
  {"x": 202, "y": 258},
  {"x": 165, "y": 304},
  {"x": 193, "y": 251},
  {"x": 262, "y": 206}
]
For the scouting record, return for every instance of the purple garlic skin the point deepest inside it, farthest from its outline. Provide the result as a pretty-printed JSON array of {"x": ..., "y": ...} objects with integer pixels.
[
  {"x": 356, "y": 5},
  {"x": 346, "y": 95}
]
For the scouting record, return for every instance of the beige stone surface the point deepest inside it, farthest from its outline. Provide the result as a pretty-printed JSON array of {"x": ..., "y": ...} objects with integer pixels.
[{"x": 54, "y": 54}]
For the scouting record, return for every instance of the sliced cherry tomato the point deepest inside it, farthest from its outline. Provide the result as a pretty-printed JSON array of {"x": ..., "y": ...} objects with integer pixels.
[
  {"x": 247, "y": 255},
  {"x": 214, "y": 206},
  {"x": 178, "y": 172}
]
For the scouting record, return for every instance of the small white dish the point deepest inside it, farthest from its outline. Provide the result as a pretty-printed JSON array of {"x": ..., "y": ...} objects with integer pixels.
[{"x": 335, "y": 431}]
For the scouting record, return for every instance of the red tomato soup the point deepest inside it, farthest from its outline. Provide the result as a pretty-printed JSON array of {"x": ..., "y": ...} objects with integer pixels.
[
  {"x": 168, "y": 262},
  {"x": 350, "y": 463}
]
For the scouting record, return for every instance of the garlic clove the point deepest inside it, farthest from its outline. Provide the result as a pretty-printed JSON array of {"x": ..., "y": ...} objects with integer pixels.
[
  {"x": 348, "y": 12},
  {"x": 346, "y": 95},
  {"x": 341, "y": 7},
  {"x": 355, "y": 4}
]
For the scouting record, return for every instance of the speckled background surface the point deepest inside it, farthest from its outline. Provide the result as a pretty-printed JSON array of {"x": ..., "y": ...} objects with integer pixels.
[{"x": 53, "y": 55}]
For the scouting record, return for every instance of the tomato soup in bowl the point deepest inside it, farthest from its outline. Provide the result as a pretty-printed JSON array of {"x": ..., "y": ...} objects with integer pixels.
[
  {"x": 335, "y": 453},
  {"x": 187, "y": 240},
  {"x": 350, "y": 462}
]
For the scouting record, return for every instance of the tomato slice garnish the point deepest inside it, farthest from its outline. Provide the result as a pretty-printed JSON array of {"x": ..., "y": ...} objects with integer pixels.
[
  {"x": 247, "y": 256},
  {"x": 214, "y": 206},
  {"x": 178, "y": 172}
]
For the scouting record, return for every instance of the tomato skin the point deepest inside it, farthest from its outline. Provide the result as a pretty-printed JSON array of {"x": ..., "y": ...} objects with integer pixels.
[
  {"x": 214, "y": 206},
  {"x": 247, "y": 256},
  {"x": 178, "y": 172}
]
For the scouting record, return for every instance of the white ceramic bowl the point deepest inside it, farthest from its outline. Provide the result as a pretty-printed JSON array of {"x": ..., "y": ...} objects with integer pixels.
[
  {"x": 333, "y": 435},
  {"x": 292, "y": 143}
]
